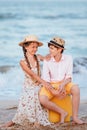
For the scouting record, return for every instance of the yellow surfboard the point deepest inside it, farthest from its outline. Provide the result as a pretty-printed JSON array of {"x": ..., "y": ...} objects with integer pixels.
[{"x": 66, "y": 104}]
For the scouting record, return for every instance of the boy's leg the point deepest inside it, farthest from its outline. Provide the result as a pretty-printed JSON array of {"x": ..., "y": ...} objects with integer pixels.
[
  {"x": 47, "y": 103},
  {"x": 75, "y": 91}
]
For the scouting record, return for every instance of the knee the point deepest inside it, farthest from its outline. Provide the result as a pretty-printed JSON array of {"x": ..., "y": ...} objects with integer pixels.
[
  {"x": 43, "y": 100},
  {"x": 75, "y": 89}
]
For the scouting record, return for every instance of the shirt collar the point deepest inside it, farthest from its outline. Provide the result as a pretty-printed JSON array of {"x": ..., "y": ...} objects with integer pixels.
[{"x": 52, "y": 58}]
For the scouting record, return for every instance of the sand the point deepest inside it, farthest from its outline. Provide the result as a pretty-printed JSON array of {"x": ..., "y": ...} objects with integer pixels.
[{"x": 8, "y": 109}]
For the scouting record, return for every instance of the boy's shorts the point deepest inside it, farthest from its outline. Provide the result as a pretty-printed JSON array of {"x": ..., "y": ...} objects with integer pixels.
[{"x": 45, "y": 92}]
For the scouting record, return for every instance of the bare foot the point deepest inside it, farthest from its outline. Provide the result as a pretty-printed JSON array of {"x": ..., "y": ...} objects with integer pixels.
[
  {"x": 36, "y": 125},
  {"x": 63, "y": 115},
  {"x": 78, "y": 121},
  {"x": 56, "y": 124},
  {"x": 8, "y": 124}
]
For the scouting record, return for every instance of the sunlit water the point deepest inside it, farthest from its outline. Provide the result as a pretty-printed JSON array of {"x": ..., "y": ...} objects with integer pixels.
[{"x": 46, "y": 19}]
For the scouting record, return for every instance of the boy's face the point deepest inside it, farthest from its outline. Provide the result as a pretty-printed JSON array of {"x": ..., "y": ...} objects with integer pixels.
[{"x": 54, "y": 50}]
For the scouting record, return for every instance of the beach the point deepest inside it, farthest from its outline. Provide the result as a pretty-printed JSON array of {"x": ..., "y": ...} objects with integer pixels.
[
  {"x": 54, "y": 18},
  {"x": 46, "y": 19},
  {"x": 8, "y": 109}
]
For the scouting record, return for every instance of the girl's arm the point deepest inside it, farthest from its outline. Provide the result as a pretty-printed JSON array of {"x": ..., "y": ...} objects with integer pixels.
[
  {"x": 32, "y": 74},
  {"x": 41, "y": 58}
]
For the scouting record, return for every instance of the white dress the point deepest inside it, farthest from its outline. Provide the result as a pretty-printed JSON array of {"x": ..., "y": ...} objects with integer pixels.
[{"x": 29, "y": 106}]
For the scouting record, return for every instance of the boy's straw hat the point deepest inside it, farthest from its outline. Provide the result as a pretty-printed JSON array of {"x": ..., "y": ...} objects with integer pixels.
[
  {"x": 58, "y": 42},
  {"x": 30, "y": 38}
]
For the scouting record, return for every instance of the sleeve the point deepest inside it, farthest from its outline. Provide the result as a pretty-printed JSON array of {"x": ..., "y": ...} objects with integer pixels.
[
  {"x": 45, "y": 71},
  {"x": 69, "y": 71}
]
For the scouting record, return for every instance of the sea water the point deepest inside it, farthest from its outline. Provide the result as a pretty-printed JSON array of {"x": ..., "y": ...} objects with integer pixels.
[{"x": 46, "y": 19}]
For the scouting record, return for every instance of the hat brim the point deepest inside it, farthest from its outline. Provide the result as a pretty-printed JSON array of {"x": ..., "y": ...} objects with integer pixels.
[
  {"x": 22, "y": 43},
  {"x": 56, "y": 45}
]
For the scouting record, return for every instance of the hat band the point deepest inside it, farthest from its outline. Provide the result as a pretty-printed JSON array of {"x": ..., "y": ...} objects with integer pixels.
[{"x": 56, "y": 44}]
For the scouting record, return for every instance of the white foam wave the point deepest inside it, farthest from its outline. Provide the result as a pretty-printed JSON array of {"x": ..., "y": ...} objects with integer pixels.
[{"x": 11, "y": 83}]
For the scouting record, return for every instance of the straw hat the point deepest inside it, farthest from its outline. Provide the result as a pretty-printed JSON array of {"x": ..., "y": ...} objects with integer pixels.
[
  {"x": 58, "y": 42},
  {"x": 31, "y": 38}
]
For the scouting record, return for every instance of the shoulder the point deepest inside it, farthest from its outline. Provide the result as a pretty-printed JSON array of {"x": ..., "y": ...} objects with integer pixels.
[
  {"x": 47, "y": 62},
  {"x": 22, "y": 61},
  {"x": 67, "y": 57}
]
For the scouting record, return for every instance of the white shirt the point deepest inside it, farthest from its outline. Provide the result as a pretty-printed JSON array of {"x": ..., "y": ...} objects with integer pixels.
[{"x": 56, "y": 71}]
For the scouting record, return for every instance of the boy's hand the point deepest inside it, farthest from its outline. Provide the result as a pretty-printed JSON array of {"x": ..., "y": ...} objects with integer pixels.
[{"x": 60, "y": 92}]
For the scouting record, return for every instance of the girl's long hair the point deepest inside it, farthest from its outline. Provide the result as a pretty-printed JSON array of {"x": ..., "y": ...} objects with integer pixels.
[{"x": 28, "y": 62}]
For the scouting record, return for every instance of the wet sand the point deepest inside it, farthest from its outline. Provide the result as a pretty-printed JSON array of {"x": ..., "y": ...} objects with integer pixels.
[{"x": 8, "y": 109}]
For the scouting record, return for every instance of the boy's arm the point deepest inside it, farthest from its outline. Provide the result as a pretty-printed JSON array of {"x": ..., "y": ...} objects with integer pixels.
[{"x": 66, "y": 81}]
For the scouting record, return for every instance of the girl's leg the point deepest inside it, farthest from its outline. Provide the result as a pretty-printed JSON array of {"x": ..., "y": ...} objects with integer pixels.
[
  {"x": 8, "y": 124},
  {"x": 36, "y": 125},
  {"x": 75, "y": 91}
]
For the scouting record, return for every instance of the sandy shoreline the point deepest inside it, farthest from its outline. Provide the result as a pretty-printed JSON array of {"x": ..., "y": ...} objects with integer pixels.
[{"x": 8, "y": 109}]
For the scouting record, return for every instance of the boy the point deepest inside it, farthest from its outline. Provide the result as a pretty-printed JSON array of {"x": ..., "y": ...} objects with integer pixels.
[{"x": 58, "y": 72}]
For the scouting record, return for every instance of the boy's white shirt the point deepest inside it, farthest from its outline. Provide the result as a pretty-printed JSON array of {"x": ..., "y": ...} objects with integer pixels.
[{"x": 57, "y": 71}]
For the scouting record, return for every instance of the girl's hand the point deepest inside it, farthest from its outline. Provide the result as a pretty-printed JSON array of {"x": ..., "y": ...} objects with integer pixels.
[{"x": 47, "y": 85}]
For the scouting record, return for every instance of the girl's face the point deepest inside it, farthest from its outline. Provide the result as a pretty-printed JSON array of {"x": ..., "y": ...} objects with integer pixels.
[
  {"x": 54, "y": 51},
  {"x": 32, "y": 48}
]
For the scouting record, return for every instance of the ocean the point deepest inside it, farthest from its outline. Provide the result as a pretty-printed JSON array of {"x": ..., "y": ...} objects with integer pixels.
[{"x": 46, "y": 19}]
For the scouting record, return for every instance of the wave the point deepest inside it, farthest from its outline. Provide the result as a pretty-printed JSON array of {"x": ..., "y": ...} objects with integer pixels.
[
  {"x": 12, "y": 77},
  {"x": 11, "y": 15},
  {"x": 6, "y": 68},
  {"x": 61, "y": 16},
  {"x": 7, "y": 16},
  {"x": 80, "y": 65}
]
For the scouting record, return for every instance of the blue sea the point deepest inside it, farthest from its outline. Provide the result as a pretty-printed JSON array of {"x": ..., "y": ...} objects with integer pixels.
[{"x": 46, "y": 19}]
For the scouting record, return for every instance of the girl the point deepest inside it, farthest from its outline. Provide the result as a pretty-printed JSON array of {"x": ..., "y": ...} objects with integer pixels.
[{"x": 29, "y": 106}]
